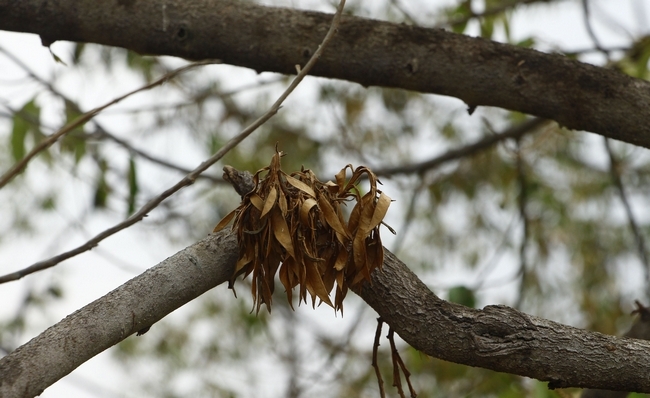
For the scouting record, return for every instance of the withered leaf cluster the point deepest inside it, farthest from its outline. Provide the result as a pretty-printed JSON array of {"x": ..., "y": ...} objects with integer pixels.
[{"x": 295, "y": 225}]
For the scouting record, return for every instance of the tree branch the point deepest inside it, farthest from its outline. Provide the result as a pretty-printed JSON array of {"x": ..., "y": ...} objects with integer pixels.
[
  {"x": 134, "y": 306},
  {"x": 497, "y": 337},
  {"x": 369, "y": 52}
]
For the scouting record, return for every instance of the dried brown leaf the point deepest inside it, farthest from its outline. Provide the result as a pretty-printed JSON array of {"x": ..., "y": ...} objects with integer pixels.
[
  {"x": 293, "y": 226},
  {"x": 301, "y": 186},
  {"x": 225, "y": 221},
  {"x": 269, "y": 202}
]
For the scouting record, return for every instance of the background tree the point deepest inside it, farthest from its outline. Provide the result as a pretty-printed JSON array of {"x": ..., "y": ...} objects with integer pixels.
[{"x": 542, "y": 218}]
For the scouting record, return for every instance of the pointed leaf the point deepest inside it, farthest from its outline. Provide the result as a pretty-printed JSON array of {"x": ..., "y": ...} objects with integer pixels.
[
  {"x": 307, "y": 205},
  {"x": 281, "y": 231},
  {"x": 316, "y": 286},
  {"x": 133, "y": 186},
  {"x": 301, "y": 186},
  {"x": 331, "y": 217},
  {"x": 256, "y": 201},
  {"x": 225, "y": 221},
  {"x": 269, "y": 202}
]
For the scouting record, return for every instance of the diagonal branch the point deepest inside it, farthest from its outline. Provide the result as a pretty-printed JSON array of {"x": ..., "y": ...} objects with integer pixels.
[
  {"x": 191, "y": 177},
  {"x": 103, "y": 134},
  {"x": 513, "y": 132}
]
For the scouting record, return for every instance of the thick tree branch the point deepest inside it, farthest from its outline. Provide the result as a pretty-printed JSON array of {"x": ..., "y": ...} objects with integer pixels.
[
  {"x": 369, "y": 52},
  {"x": 496, "y": 337},
  {"x": 132, "y": 307}
]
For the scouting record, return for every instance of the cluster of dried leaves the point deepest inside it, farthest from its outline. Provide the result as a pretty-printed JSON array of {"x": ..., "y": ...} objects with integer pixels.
[{"x": 295, "y": 225}]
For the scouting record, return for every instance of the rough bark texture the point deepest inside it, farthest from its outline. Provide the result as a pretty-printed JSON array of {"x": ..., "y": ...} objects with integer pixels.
[
  {"x": 369, "y": 52},
  {"x": 503, "y": 339},
  {"x": 639, "y": 330},
  {"x": 496, "y": 337}
]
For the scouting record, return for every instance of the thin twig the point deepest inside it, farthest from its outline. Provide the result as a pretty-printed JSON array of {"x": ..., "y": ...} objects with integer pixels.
[
  {"x": 51, "y": 139},
  {"x": 397, "y": 380},
  {"x": 400, "y": 362},
  {"x": 590, "y": 30},
  {"x": 410, "y": 18},
  {"x": 513, "y": 132},
  {"x": 640, "y": 241},
  {"x": 197, "y": 99},
  {"x": 189, "y": 178},
  {"x": 30, "y": 72},
  {"x": 104, "y": 134},
  {"x": 375, "y": 365},
  {"x": 523, "y": 199}
]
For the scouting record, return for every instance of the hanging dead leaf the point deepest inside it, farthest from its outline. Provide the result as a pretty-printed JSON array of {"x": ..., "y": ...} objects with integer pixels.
[{"x": 294, "y": 225}]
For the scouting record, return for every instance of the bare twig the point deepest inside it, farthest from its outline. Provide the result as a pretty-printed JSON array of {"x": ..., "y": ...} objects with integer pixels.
[
  {"x": 198, "y": 98},
  {"x": 398, "y": 365},
  {"x": 590, "y": 31},
  {"x": 513, "y": 132},
  {"x": 189, "y": 178},
  {"x": 375, "y": 365},
  {"x": 51, "y": 139},
  {"x": 405, "y": 371},
  {"x": 638, "y": 236},
  {"x": 407, "y": 15},
  {"x": 105, "y": 134}
]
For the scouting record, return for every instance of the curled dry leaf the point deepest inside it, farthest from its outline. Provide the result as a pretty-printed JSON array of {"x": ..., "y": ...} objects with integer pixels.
[{"x": 294, "y": 225}]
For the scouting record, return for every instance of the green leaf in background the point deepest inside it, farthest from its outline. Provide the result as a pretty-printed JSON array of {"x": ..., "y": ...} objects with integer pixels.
[
  {"x": 133, "y": 186},
  {"x": 526, "y": 43},
  {"x": 78, "y": 51},
  {"x": 73, "y": 142},
  {"x": 462, "y": 11},
  {"x": 487, "y": 27},
  {"x": 462, "y": 295},
  {"x": 26, "y": 121},
  {"x": 102, "y": 189},
  {"x": 143, "y": 64}
]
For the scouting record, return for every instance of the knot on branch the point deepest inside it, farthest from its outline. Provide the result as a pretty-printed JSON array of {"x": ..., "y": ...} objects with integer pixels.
[{"x": 500, "y": 330}]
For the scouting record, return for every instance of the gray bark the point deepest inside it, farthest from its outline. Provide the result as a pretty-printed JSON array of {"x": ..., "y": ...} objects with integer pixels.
[
  {"x": 132, "y": 307},
  {"x": 368, "y": 52}
]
